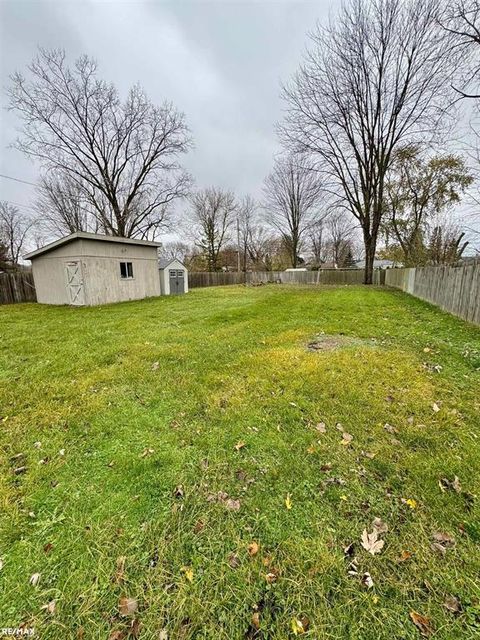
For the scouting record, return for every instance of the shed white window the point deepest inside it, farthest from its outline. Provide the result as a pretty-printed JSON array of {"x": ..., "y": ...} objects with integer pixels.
[{"x": 126, "y": 270}]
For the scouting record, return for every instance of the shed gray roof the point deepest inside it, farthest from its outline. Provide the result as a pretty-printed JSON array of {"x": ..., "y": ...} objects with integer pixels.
[
  {"x": 164, "y": 262},
  {"x": 83, "y": 235}
]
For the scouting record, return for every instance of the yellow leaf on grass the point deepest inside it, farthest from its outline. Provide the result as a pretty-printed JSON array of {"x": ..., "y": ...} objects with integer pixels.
[
  {"x": 288, "y": 501},
  {"x": 188, "y": 571},
  {"x": 411, "y": 503}
]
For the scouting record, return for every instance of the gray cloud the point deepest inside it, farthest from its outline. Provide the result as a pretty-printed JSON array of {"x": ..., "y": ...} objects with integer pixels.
[{"x": 219, "y": 62}]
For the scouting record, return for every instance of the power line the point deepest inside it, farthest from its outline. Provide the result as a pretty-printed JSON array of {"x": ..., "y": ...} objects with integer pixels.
[{"x": 33, "y": 184}]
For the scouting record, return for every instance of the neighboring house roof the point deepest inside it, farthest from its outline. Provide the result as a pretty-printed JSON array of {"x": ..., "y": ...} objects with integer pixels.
[
  {"x": 83, "y": 235},
  {"x": 163, "y": 263},
  {"x": 378, "y": 264}
]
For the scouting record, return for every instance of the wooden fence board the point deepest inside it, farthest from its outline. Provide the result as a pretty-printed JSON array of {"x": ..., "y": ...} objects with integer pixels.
[
  {"x": 17, "y": 286},
  {"x": 453, "y": 289},
  {"x": 324, "y": 276}
]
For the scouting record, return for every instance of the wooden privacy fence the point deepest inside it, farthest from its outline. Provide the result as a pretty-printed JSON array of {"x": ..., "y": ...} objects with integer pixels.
[
  {"x": 17, "y": 287},
  {"x": 453, "y": 289},
  {"x": 324, "y": 276}
]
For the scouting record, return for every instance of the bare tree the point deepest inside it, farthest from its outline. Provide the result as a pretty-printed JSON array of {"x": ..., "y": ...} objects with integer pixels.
[
  {"x": 122, "y": 156},
  {"x": 178, "y": 250},
  {"x": 213, "y": 214},
  {"x": 62, "y": 207},
  {"x": 292, "y": 193},
  {"x": 339, "y": 233},
  {"x": 14, "y": 229},
  {"x": 462, "y": 19},
  {"x": 376, "y": 77},
  {"x": 246, "y": 217}
]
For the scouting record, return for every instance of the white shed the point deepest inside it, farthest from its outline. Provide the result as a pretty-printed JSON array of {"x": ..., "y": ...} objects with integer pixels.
[
  {"x": 89, "y": 269},
  {"x": 173, "y": 277}
]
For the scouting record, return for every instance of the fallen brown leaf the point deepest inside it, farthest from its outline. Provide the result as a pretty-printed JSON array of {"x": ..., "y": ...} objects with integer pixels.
[
  {"x": 346, "y": 438},
  {"x": 389, "y": 428},
  {"x": 178, "y": 492},
  {"x": 321, "y": 427},
  {"x": 452, "y": 604},
  {"x": 256, "y": 620},
  {"x": 117, "y": 634},
  {"x": 422, "y": 623},
  {"x": 371, "y": 542},
  {"x": 135, "y": 628},
  {"x": 239, "y": 445},
  {"x": 234, "y": 560},
  {"x": 199, "y": 526},
  {"x": 379, "y": 525},
  {"x": 233, "y": 505},
  {"x": 444, "y": 539},
  {"x": 127, "y": 606},
  {"x": 253, "y": 548},
  {"x": 404, "y": 556},
  {"x": 48, "y": 547}
]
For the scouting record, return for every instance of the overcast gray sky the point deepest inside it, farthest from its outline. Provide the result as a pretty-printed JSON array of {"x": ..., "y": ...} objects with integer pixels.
[{"x": 220, "y": 62}]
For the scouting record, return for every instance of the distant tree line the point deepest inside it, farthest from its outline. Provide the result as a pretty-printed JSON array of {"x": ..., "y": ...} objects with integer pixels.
[{"x": 364, "y": 169}]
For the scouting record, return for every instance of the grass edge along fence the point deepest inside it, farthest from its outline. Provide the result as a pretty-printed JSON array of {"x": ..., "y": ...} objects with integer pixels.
[
  {"x": 453, "y": 289},
  {"x": 17, "y": 286},
  {"x": 324, "y": 276}
]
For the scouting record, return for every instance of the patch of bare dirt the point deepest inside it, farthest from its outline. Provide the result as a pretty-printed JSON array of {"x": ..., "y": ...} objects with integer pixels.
[{"x": 332, "y": 342}]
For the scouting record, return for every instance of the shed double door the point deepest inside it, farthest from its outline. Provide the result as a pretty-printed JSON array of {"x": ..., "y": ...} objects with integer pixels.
[
  {"x": 74, "y": 277},
  {"x": 177, "y": 281}
]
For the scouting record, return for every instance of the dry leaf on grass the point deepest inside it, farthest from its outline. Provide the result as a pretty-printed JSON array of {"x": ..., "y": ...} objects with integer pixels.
[
  {"x": 379, "y": 525},
  {"x": 234, "y": 561},
  {"x": 367, "y": 580},
  {"x": 239, "y": 445},
  {"x": 441, "y": 542},
  {"x": 117, "y": 634},
  {"x": 127, "y": 606},
  {"x": 34, "y": 579},
  {"x": 389, "y": 428},
  {"x": 299, "y": 626},
  {"x": 452, "y": 604},
  {"x": 50, "y": 607},
  {"x": 120, "y": 569},
  {"x": 155, "y": 366},
  {"x": 233, "y": 505},
  {"x": 371, "y": 542},
  {"x": 435, "y": 407},
  {"x": 199, "y": 526},
  {"x": 422, "y": 623},
  {"x": 163, "y": 635},
  {"x": 321, "y": 427},
  {"x": 256, "y": 620},
  {"x": 271, "y": 576},
  {"x": 288, "y": 501},
  {"x": 346, "y": 438},
  {"x": 253, "y": 548},
  {"x": 445, "y": 483},
  {"x": 404, "y": 556}
]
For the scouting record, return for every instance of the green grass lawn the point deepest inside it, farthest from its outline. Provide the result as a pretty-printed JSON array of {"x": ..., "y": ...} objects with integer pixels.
[{"x": 173, "y": 457}]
